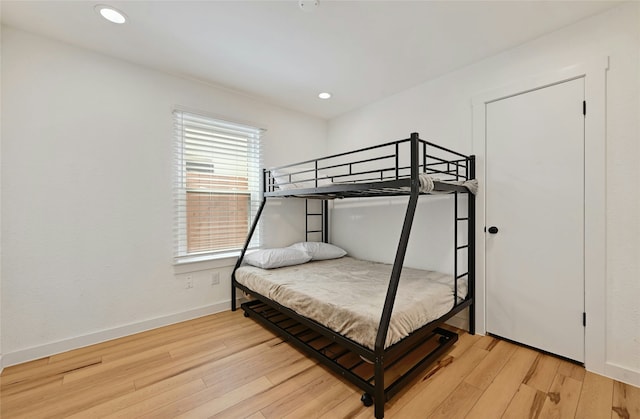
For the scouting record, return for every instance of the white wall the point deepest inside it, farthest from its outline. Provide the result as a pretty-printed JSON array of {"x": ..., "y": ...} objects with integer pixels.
[
  {"x": 1, "y": 205},
  {"x": 441, "y": 111},
  {"x": 86, "y": 194}
]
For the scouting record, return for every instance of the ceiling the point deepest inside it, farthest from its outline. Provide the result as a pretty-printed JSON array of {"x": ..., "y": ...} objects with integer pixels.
[{"x": 360, "y": 51}]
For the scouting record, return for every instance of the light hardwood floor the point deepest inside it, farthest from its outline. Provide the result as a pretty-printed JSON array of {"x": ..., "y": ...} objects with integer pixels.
[{"x": 227, "y": 366}]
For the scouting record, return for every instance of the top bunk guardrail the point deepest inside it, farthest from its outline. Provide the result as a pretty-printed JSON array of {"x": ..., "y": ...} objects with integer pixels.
[{"x": 380, "y": 170}]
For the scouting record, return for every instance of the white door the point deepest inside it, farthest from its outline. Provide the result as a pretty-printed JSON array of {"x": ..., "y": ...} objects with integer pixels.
[{"x": 535, "y": 199}]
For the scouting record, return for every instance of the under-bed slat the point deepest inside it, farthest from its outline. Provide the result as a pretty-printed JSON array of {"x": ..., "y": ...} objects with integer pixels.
[
  {"x": 351, "y": 365},
  {"x": 339, "y": 354}
]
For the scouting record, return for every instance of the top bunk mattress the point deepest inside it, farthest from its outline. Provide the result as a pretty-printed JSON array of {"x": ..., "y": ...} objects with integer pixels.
[{"x": 347, "y": 295}]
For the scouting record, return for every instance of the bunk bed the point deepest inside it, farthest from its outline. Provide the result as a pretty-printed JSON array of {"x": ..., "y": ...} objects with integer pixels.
[{"x": 386, "y": 329}]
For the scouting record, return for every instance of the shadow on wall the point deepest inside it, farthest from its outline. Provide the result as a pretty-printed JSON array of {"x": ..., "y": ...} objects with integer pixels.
[{"x": 370, "y": 229}]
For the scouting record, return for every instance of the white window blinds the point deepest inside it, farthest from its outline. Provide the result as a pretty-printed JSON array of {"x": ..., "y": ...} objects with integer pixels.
[{"x": 217, "y": 184}]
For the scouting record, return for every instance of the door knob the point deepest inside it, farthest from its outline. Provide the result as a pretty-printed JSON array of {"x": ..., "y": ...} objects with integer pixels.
[{"x": 493, "y": 230}]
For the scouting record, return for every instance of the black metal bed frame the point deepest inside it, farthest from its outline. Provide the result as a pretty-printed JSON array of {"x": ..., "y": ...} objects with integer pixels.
[{"x": 369, "y": 172}]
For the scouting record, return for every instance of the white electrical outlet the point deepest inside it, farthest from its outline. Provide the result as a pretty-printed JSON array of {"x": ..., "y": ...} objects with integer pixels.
[
  {"x": 215, "y": 279},
  {"x": 189, "y": 282}
]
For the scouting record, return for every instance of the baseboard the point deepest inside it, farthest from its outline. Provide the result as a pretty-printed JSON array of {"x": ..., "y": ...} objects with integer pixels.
[
  {"x": 622, "y": 374},
  {"x": 49, "y": 349}
]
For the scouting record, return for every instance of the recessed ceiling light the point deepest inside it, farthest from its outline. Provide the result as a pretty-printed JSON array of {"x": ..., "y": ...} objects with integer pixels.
[
  {"x": 111, "y": 14},
  {"x": 324, "y": 95}
]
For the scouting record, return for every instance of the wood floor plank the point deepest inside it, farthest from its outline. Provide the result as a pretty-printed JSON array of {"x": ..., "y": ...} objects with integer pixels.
[
  {"x": 486, "y": 342},
  {"x": 119, "y": 343},
  {"x": 526, "y": 403},
  {"x": 205, "y": 403},
  {"x": 227, "y": 400},
  {"x": 302, "y": 395},
  {"x": 570, "y": 369},
  {"x": 120, "y": 366},
  {"x": 460, "y": 350},
  {"x": 459, "y": 402},
  {"x": 203, "y": 364},
  {"x": 30, "y": 365},
  {"x": 31, "y": 387},
  {"x": 626, "y": 401},
  {"x": 562, "y": 398},
  {"x": 325, "y": 401},
  {"x": 542, "y": 372},
  {"x": 167, "y": 391},
  {"x": 233, "y": 375},
  {"x": 137, "y": 408},
  {"x": 350, "y": 407},
  {"x": 64, "y": 403},
  {"x": 277, "y": 394},
  {"x": 596, "y": 397},
  {"x": 172, "y": 340},
  {"x": 77, "y": 391},
  {"x": 498, "y": 395},
  {"x": 58, "y": 369},
  {"x": 484, "y": 373},
  {"x": 294, "y": 368},
  {"x": 464, "y": 342},
  {"x": 424, "y": 396}
]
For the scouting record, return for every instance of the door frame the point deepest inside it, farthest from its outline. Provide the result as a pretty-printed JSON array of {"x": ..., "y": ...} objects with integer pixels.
[{"x": 594, "y": 74}]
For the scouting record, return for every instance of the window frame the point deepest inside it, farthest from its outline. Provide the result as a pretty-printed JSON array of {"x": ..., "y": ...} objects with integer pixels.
[{"x": 253, "y": 191}]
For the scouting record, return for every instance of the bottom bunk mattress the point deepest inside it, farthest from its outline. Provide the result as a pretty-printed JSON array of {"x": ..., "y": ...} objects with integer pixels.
[{"x": 347, "y": 295}]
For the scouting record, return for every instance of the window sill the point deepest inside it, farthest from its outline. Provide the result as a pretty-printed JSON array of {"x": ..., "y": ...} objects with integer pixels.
[{"x": 205, "y": 262}]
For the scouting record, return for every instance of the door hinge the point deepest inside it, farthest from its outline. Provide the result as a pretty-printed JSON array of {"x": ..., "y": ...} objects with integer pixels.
[
  {"x": 584, "y": 319},
  {"x": 584, "y": 107}
]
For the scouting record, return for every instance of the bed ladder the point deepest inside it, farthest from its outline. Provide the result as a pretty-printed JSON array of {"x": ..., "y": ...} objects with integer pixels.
[
  {"x": 465, "y": 223},
  {"x": 316, "y": 220}
]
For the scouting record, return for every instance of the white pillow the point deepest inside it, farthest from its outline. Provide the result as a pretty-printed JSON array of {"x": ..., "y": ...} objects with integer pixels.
[
  {"x": 319, "y": 250},
  {"x": 276, "y": 258}
]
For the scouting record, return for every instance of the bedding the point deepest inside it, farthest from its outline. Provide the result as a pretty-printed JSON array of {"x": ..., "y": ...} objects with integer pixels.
[
  {"x": 277, "y": 258},
  {"x": 427, "y": 185},
  {"x": 347, "y": 295},
  {"x": 320, "y": 250}
]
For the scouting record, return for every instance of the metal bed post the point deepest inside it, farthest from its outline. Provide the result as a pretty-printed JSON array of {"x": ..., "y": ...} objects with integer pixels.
[
  {"x": 325, "y": 221},
  {"x": 455, "y": 248},
  {"x": 244, "y": 250},
  {"x": 379, "y": 396},
  {"x": 246, "y": 243},
  {"x": 471, "y": 253}
]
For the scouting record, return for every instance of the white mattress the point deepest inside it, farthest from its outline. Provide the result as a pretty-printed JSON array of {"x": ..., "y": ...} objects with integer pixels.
[{"x": 347, "y": 295}]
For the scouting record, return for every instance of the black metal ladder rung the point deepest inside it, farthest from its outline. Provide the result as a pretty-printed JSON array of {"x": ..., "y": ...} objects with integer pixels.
[{"x": 323, "y": 220}]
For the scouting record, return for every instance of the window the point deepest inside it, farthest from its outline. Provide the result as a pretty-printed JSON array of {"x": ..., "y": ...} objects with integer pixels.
[{"x": 217, "y": 187}]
